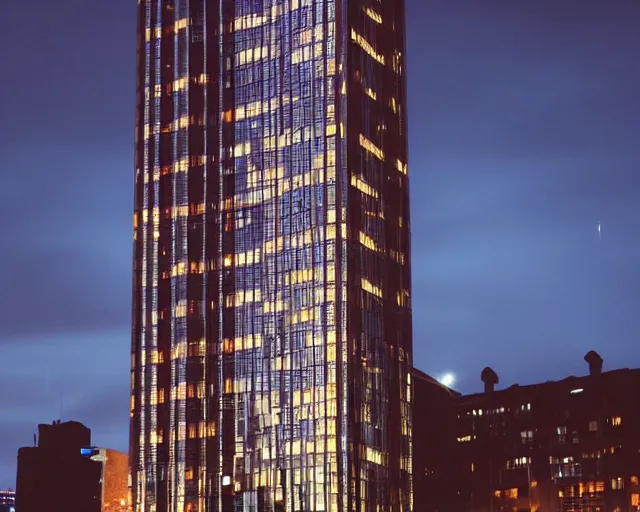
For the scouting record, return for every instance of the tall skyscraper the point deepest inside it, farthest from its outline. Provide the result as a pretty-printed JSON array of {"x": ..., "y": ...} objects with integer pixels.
[{"x": 271, "y": 344}]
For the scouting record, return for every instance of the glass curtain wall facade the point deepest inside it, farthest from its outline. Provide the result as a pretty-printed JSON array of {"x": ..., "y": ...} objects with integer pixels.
[{"x": 271, "y": 343}]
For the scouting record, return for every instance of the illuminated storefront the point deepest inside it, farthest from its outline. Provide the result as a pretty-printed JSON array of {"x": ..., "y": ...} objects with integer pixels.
[{"x": 271, "y": 307}]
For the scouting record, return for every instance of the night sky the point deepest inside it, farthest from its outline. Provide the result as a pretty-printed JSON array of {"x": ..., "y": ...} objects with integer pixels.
[{"x": 524, "y": 119}]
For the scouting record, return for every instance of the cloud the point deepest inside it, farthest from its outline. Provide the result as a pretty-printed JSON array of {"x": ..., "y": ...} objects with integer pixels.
[
  {"x": 66, "y": 262},
  {"x": 64, "y": 375},
  {"x": 64, "y": 295},
  {"x": 66, "y": 162},
  {"x": 13, "y": 435},
  {"x": 524, "y": 145},
  {"x": 106, "y": 412}
]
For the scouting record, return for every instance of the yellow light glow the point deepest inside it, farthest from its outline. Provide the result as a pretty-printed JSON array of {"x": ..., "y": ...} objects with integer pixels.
[
  {"x": 366, "y": 46},
  {"x": 371, "y": 147}
]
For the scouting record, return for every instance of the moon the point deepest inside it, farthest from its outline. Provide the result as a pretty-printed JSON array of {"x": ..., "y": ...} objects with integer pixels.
[{"x": 447, "y": 379}]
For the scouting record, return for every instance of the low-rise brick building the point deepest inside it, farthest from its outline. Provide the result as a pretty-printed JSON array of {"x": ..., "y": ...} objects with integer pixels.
[{"x": 563, "y": 446}]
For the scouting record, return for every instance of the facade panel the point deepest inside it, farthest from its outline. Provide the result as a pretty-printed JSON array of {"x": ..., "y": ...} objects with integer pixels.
[{"x": 271, "y": 335}]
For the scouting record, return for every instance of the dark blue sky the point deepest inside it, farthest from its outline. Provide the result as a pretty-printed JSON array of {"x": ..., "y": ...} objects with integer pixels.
[{"x": 524, "y": 122}]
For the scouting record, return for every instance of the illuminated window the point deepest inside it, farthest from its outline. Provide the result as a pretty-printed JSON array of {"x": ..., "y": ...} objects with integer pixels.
[
  {"x": 158, "y": 397},
  {"x": 616, "y": 421},
  {"x": 396, "y": 62},
  {"x": 635, "y": 499},
  {"x": 373, "y": 15},
  {"x": 561, "y": 431},
  {"x": 181, "y": 24},
  {"x": 520, "y": 462},
  {"x": 367, "y": 286},
  {"x": 526, "y": 436},
  {"x": 157, "y": 437},
  {"x": 617, "y": 484},
  {"x": 367, "y": 241},
  {"x": 181, "y": 309},
  {"x": 157, "y": 357},
  {"x": 363, "y": 186},
  {"x": 366, "y": 46},
  {"x": 634, "y": 480},
  {"x": 402, "y": 298},
  {"x": 371, "y": 147}
]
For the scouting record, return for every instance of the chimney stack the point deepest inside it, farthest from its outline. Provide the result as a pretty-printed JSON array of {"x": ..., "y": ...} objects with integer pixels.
[
  {"x": 594, "y": 361},
  {"x": 490, "y": 379}
]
